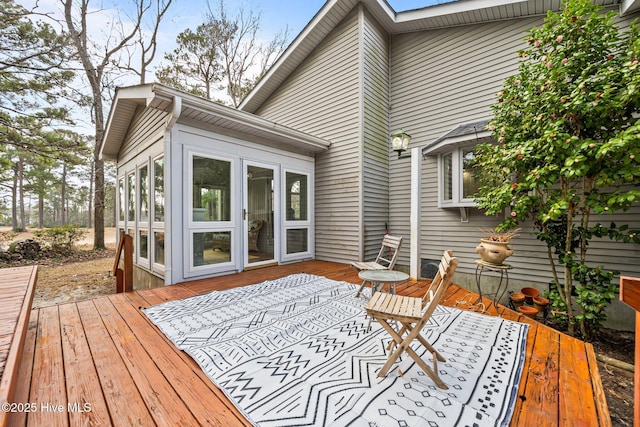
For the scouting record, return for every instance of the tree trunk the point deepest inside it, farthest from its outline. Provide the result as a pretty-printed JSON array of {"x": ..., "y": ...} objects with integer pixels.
[
  {"x": 14, "y": 199},
  {"x": 23, "y": 223},
  {"x": 63, "y": 196},
  {"x": 40, "y": 211},
  {"x": 90, "y": 210},
  {"x": 98, "y": 241}
]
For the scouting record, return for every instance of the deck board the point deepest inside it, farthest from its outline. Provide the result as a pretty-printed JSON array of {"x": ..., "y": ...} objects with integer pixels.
[
  {"x": 17, "y": 286},
  {"x": 126, "y": 406},
  {"x": 162, "y": 400},
  {"x": 107, "y": 353},
  {"x": 83, "y": 384},
  {"x": 48, "y": 389}
]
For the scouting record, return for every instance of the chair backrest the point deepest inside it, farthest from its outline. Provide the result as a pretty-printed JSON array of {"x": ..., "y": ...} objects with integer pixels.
[
  {"x": 388, "y": 254},
  {"x": 442, "y": 280}
]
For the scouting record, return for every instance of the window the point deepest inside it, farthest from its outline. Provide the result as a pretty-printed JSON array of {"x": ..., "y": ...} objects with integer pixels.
[
  {"x": 297, "y": 223},
  {"x": 121, "y": 200},
  {"x": 143, "y": 244},
  {"x": 158, "y": 190},
  {"x": 157, "y": 225},
  {"x": 296, "y": 197},
  {"x": 211, "y": 240},
  {"x": 143, "y": 184},
  {"x": 131, "y": 197},
  {"x": 211, "y": 192},
  {"x": 158, "y": 241},
  {"x": 469, "y": 182},
  {"x": 457, "y": 178},
  {"x": 297, "y": 240}
]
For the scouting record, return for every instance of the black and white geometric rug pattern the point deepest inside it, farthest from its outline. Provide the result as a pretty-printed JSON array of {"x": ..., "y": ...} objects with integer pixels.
[{"x": 296, "y": 351}]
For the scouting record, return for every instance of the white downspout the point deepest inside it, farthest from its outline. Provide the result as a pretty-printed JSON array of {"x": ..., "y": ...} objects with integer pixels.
[
  {"x": 168, "y": 229},
  {"x": 414, "y": 217}
]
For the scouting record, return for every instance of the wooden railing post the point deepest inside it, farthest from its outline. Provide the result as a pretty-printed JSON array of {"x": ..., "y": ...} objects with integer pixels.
[
  {"x": 124, "y": 277},
  {"x": 630, "y": 295}
]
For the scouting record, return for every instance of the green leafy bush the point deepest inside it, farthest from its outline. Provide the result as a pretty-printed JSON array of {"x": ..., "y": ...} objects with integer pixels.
[
  {"x": 568, "y": 145},
  {"x": 60, "y": 239}
]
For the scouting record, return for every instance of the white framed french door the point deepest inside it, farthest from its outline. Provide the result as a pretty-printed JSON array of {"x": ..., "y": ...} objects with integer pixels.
[
  {"x": 241, "y": 209},
  {"x": 260, "y": 213}
]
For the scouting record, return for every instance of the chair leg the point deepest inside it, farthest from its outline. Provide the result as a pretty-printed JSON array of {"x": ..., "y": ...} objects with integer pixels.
[
  {"x": 429, "y": 347},
  {"x": 433, "y": 374},
  {"x": 361, "y": 288},
  {"x": 404, "y": 345},
  {"x": 397, "y": 339}
]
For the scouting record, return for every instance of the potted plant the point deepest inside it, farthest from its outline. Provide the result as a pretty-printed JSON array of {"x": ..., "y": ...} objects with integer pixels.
[{"x": 494, "y": 246}]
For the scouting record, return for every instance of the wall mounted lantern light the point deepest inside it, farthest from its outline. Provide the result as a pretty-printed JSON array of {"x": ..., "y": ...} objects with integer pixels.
[{"x": 400, "y": 141}]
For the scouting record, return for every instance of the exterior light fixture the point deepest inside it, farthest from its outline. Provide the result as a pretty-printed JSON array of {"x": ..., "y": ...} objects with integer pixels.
[{"x": 400, "y": 141}]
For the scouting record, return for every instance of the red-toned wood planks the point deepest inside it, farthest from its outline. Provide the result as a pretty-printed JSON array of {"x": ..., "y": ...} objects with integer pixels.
[
  {"x": 600, "y": 398},
  {"x": 47, "y": 381},
  {"x": 191, "y": 388},
  {"x": 576, "y": 390},
  {"x": 143, "y": 379},
  {"x": 21, "y": 394},
  {"x": 630, "y": 294},
  {"x": 126, "y": 406},
  {"x": 16, "y": 295},
  {"x": 163, "y": 402},
  {"x": 84, "y": 394}
]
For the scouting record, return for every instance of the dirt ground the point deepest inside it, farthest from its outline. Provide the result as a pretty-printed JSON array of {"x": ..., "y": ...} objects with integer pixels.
[{"x": 88, "y": 274}]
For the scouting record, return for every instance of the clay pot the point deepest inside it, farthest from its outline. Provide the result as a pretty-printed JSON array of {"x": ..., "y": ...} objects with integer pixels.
[
  {"x": 493, "y": 252},
  {"x": 517, "y": 299},
  {"x": 530, "y": 312},
  {"x": 529, "y": 294},
  {"x": 540, "y": 303}
]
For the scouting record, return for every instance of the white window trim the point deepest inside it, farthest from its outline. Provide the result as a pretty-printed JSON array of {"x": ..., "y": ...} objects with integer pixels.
[
  {"x": 296, "y": 224},
  {"x": 193, "y": 227},
  {"x": 457, "y": 201},
  {"x": 156, "y": 226},
  {"x": 142, "y": 225}
]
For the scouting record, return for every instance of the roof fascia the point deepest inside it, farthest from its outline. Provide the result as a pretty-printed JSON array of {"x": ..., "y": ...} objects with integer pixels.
[
  {"x": 384, "y": 13},
  {"x": 458, "y": 140},
  {"x": 147, "y": 94},
  {"x": 140, "y": 95},
  {"x": 451, "y": 8},
  {"x": 628, "y": 6},
  {"x": 242, "y": 117}
]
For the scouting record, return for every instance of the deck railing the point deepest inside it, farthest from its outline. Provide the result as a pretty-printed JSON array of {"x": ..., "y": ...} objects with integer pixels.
[
  {"x": 124, "y": 276},
  {"x": 630, "y": 295}
]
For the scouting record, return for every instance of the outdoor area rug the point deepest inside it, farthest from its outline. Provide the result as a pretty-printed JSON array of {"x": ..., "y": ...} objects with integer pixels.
[{"x": 296, "y": 351}]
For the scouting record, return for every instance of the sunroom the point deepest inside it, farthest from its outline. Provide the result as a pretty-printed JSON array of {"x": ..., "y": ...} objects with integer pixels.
[{"x": 205, "y": 189}]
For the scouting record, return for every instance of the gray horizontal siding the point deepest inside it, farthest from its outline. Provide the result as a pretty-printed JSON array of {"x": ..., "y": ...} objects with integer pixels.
[
  {"x": 146, "y": 125},
  {"x": 322, "y": 97},
  {"x": 375, "y": 46},
  {"x": 440, "y": 79}
]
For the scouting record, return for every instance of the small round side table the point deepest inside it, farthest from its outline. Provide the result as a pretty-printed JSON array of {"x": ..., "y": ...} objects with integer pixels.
[
  {"x": 503, "y": 284},
  {"x": 378, "y": 278}
]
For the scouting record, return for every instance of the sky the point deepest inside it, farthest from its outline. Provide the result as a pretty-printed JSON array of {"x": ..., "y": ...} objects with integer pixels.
[{"x": 276, "y": 16}]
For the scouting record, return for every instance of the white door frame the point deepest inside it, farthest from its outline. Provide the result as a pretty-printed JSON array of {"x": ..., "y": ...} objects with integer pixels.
[{"x": 245, "y": 214}]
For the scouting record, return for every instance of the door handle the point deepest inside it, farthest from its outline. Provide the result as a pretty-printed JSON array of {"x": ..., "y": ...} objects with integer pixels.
[{"x": 244, "y": 214}]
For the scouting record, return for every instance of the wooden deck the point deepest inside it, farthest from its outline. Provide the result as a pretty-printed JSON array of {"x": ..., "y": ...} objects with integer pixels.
[
  {"x": 101, "y": 362},
  {"x": 16, "y": 295}
]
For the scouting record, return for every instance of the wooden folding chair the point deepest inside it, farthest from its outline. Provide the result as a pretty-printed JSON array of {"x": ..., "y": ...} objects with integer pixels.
[
  {"x": 385, "y": 260},
  {"x": 413, "y": 314}
]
